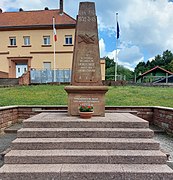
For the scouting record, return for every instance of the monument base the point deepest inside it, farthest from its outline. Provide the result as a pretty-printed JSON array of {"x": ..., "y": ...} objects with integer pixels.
[{"x": 86, "y": 95}]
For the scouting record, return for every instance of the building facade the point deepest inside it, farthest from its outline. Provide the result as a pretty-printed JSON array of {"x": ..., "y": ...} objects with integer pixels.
[
  {"x": 154, "y": 75},
  {"x": 27, "y": 41}
]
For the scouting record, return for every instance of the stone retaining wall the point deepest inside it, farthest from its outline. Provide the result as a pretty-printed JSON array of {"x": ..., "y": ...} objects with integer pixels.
[
  {"x": 8, "y": 115},
  {"x": 9, "y": 81},
  {"x": 25, "y": 79},
  {"x": 163, "y": 117},
  {"x": 160, "y": 116}
]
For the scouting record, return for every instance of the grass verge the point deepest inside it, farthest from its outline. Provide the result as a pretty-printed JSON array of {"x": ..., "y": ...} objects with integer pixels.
[{"x": 116, "y": 96}]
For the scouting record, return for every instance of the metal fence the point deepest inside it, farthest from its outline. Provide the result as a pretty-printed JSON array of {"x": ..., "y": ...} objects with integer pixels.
[
  {"x": 118, "y": 77},
  {"x": 47, "y": 76}
]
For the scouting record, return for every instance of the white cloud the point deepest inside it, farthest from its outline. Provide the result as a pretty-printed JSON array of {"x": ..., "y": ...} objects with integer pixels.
[
  {"x": 102, "y": 48},
  {"x": 131, "y": 54},
  {"x": 151, "y": 58},
  {"x": 112, "y": 55},
  {"x": 145, "y": 28},
  {"x": 149, "y": 29},
  {"x": 145, "y": 25},
  {"x": 28, "y": 5},
  {"x": 128, "y": 57}
]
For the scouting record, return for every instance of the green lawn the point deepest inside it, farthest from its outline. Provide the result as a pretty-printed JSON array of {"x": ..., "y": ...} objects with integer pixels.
[
  {"x": 116, "y": 96},
  {"x": 140, "y": 96}
]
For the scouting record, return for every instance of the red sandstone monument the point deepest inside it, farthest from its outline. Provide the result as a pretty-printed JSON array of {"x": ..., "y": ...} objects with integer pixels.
[{"x": 86, "y": 84}]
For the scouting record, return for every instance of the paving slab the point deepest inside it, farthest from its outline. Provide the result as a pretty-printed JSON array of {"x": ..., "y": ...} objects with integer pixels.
[
  {"x": 85, "y": 143},
  {"x": 85, "y": 156},
  {"x": 111, "y": 120},
  {"x": 85, "y": 132},
  {"x": 86, "y": 171}
]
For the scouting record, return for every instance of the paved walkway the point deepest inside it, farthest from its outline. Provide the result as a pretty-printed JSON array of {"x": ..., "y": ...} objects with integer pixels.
[{"x": 166, "y": 142}]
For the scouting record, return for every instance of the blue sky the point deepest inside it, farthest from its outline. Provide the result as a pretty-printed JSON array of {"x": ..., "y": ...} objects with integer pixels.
[{"x": 146, "y": 26}]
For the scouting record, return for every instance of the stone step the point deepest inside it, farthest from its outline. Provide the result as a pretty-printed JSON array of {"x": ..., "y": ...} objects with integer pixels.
[
  {"x": 85, "y": 157},
  {"x": 85, "y": 171},
  {"x": 61, "y": 120},
  {"x": 85, "y": 143},
  {"x": 85, "y": 133},
  {"x": 14, "y": 128}
]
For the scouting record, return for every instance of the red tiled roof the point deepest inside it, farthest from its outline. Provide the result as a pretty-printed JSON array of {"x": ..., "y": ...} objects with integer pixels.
[
  {"x": 34, "y": 18},
  {"x": 157, "y": 67}
]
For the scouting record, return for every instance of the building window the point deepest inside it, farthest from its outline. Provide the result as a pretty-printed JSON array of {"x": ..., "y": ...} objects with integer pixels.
[
  {"x": 47, "y": 65},
  {"x": 68, "y": 40},
  {"x": 12, "y": 41},
  {"x": 26, "y": 40},
  {"x": 46, "y": 40}
]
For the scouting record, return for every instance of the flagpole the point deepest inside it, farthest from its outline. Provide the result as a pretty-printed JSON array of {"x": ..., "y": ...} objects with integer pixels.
[
  {"x": 116, "y": 55},
  {"x": 54, "y": 54}
]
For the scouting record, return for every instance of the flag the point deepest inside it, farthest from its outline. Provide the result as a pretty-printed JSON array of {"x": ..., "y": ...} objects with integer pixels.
[
  {"x": 54, "y": 30},
  {"x": 118, "y": 30}
]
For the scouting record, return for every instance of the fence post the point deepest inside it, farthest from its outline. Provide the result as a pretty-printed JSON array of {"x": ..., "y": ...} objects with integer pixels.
[{"x": 166, "y": 78}]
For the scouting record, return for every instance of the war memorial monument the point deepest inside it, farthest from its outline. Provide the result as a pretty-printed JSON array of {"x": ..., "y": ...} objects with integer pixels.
[{"x": 86, "y": 88}]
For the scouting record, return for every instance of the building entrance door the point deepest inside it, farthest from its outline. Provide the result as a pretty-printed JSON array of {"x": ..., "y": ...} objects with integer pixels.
[{"x": 21, "y": 69}]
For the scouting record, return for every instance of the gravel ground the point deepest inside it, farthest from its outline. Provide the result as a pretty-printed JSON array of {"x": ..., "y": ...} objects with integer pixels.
[{"x": 166, "y": 143}]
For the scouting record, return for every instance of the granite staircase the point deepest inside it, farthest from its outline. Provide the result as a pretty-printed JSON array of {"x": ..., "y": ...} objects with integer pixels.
[{"x": 53, "y": 146}]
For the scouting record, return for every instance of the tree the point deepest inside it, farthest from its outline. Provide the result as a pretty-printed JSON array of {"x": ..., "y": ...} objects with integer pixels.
[
  {"x": 110, "y": 69},
  {"x": 171, "y": 66},
  {"x": 125, "y": 72},
  {"x": 110, "y": 73},
  {"x": 167, "y": 58},
  {"x": 121, "y": 70},
  {"x": 109, "y": 62},
  {"x": 140, "y": 68},
  {"x": 164, "y": 61},
  {"x": 158, "y": 61}
]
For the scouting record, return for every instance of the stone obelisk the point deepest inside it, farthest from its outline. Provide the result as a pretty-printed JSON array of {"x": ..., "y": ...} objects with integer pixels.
[{"x": 86, "y": 84}]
